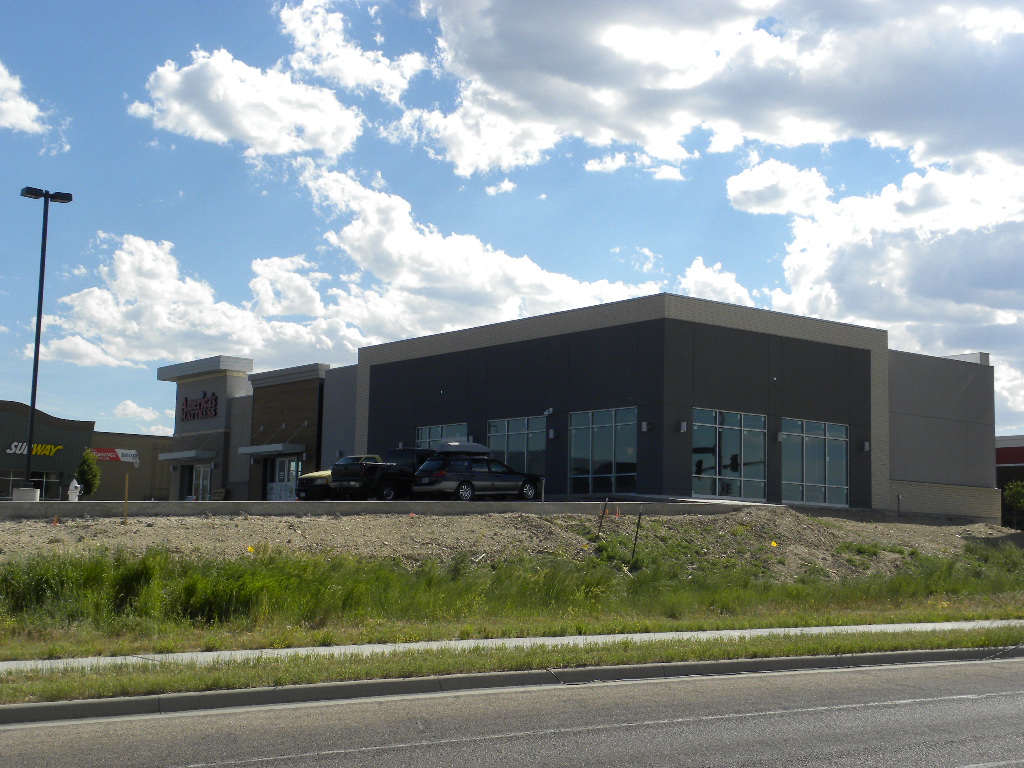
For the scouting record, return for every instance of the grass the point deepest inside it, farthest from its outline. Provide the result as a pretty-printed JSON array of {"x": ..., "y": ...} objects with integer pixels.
[
  {"x": 115, "y": 603},
  {"x": 298, "y": 670}
]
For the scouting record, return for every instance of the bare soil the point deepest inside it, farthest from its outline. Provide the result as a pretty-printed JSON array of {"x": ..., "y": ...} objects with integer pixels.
[{"x": 801, "y": 539}]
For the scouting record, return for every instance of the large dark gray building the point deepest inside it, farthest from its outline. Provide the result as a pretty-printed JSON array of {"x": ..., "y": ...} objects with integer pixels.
[{"x": 673, "y": 396}]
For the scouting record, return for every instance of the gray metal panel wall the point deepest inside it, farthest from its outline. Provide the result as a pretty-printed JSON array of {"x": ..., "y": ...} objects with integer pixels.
[
  {"x": 943, "y": 418},
  {"x": 339, "y": 421}
]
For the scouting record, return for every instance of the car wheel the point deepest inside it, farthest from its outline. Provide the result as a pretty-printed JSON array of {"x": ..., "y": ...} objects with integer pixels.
[
  {"x": 528, "y": 491},
  {"x": 387, "y": 492},
  {"x": 465, "y": 492}
]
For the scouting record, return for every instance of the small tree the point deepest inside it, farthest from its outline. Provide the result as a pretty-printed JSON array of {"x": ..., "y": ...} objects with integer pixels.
[
  {"x": 1014, "y": 495},
  {"x": 88, "y": 474}
]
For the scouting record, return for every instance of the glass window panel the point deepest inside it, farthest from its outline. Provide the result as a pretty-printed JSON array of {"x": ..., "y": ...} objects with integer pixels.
[
  {"x": 435, "y": 433},
  {"x": 704, "y": 416},
  {"x": 704, "y": 449},
  {"x": 579, "y": 419},
  {"x": 793, "y": 426},
  {"x": 517, "y": 442},
  {"x": 836, "y": 463},
  {"x": 579, "y": 485},
  {"x": 601, "y": 453},
  {"x": 601, "y": 418},
  {"x": 497, "y": 444},
  {"x": 792, "y": 492},
  {"x": 517, "y": 425},
  {"x": 729, "y": 447},
  {"x": 601, "y": 484},
  {"x": 814, "y": 461},
  {"x": 753, "y": 454},
  {"x": 625, "y": 448},
  {"x": 816, "y": 428},
  {"x": 753, "y": 489},
  {"x": 838, "y": 496},
  {"x": 579, "y": 452},
  {"x": 753, "y": 421},
  {"x": 625, "y": 415},
  {"x": 625, "y": 483},
  {"x": 792, "y": 459},
  {"x": 729, "y": 419},
  {"x": 497, "y": 426},
  {"x": 814, "y": 494},
  {"x": 836, "y": 430},
  {"x": 728, "y": 487},
  {"x": 704, "y": 486},
  {"x": 537, "y": 423},
  {"x": 535, "y": 445}
]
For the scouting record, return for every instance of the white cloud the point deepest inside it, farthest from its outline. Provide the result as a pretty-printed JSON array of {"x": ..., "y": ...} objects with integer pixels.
[
  {"x": 323, "y": 49},
  {"x": 217, "y": 98},
  {"x": 426, "y": 282},
  {"x": 497, "y": 189},
  {"x": 281, "y": 289},
  {"x": 667, "y": 173},
  {"x": 774, "y": 187},
  {"x": 608, "y": 163},
  {"x": 712, "y": 283},
  {"x": 16, "y": 112},
  {"x": 157, "y": 429},
  {"x": 784, "y": 72},
  {"x": 127, "y": 409}
]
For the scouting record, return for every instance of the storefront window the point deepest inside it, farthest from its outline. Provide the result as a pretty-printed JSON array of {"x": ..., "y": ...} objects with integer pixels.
[
  {"x": 519, "y": 442},
  {"x": 48, "y": 483},
  {"x": 602, "y": 451},
  {"x": 815, "y": 462},
  {"x": 728, "y": 457},
  {"x": 433, "y": 436}
]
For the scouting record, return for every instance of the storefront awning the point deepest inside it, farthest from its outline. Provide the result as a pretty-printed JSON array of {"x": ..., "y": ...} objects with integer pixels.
[
  {"x": 271, "y": 449},
  {"x": 186, "y": 455}
]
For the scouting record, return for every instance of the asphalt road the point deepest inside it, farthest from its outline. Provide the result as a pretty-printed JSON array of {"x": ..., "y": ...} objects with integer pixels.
[{"x": 930, "y": 715}]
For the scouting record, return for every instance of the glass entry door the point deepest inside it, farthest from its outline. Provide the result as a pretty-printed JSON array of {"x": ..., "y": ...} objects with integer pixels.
[
  {"x": 201, "y": 482},
  {"x": 282, "y": 472}
]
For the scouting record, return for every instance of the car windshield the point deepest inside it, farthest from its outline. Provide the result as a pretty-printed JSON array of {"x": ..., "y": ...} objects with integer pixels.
[
  {"x": 350, "y": 460},
  {"x": 432, "y": 465}
]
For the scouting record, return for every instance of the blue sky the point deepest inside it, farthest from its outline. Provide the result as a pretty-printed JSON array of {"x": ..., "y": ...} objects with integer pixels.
[{"x": 289, "y": 181}]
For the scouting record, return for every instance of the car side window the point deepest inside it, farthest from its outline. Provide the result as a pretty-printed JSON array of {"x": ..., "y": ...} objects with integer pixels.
[
  {"x": 459, "y": 465},
  {"x": 497, "y": 466},
  {"x": 480, "y": 465}
]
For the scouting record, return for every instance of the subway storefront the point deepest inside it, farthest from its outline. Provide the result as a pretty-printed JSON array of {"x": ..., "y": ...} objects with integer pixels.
[{"x": 58, "y": 445}]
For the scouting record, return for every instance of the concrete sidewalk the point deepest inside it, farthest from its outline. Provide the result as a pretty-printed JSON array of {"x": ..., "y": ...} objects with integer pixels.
[{"x": 214, "y": 657}]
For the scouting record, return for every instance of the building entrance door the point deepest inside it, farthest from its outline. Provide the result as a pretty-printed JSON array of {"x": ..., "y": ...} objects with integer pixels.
[
  {"x": 201, "y": 482},
  {"x": 282, "y": 472}
]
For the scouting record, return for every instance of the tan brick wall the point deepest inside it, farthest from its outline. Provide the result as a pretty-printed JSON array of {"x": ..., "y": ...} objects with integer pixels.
[{"x": 980, "y": 504}]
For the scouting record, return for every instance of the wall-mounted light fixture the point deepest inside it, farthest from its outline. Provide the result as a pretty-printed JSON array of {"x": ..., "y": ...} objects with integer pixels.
[
  {"x": 645, "y": 426},
  {"x": 778, "y": 437},
  {"x": 552, "y": 434},
  {"x": 865, "y": 446},
  {"x": 682, "y": 426}
]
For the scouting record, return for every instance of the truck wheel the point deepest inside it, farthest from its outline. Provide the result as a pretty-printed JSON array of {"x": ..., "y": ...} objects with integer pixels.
[
  {"x": 465, "y": 492},
  {"x": 387, "y": 492},
  {"x": 528, "y": 491}
]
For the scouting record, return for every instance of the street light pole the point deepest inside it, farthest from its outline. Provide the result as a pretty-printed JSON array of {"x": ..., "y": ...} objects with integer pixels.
[{"x": 47, "y": 196}]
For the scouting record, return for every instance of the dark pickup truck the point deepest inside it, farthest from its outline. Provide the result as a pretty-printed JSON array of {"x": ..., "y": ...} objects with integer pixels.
[{"x": 386, "y": 480}]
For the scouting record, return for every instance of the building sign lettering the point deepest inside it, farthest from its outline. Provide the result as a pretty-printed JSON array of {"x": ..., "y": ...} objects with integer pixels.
[
  {"x": 38, "y": 449},
  {"x": 202, "y": 407}
]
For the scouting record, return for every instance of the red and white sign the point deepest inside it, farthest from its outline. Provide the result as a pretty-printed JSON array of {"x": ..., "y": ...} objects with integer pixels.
[{"x": 116, "y": 454}]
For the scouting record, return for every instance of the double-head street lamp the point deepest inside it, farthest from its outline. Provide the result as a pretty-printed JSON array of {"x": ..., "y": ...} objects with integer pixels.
[{"x": 47, "y": 196}]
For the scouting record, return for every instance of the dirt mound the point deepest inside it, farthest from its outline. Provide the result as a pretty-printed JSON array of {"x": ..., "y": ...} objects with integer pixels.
[{"x": 827, "y": 543}]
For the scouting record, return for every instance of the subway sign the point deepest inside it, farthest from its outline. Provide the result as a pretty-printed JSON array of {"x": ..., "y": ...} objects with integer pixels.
[{"x": 38, "y": 449}]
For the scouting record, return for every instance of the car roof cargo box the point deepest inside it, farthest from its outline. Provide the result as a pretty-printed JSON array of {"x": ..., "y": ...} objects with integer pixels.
[{"x": 458, "y": 446}]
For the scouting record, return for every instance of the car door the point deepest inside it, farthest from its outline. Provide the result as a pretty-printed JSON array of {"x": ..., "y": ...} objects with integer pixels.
[
  {"x": 480, "y": 475},
  {"x": 504, "y": 479}
]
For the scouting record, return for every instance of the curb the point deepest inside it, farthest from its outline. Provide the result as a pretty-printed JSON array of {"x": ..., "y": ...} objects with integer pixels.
[{"x": 13, "y": 714}]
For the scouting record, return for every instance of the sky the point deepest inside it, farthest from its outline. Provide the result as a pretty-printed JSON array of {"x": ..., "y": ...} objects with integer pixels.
[{"x": 289, "y": 181}]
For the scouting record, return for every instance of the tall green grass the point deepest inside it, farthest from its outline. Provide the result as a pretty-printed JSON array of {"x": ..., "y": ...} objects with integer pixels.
[{"x": 74, "y": 603}]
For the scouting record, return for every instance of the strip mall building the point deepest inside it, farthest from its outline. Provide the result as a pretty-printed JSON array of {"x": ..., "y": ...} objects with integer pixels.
[{"x": 660, "y": 396}]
